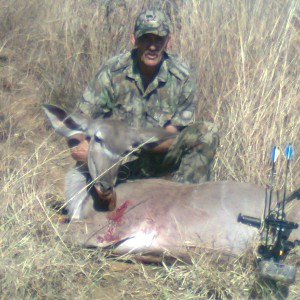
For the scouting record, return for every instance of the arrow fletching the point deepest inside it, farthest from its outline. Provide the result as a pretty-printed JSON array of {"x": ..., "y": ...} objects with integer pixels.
[
  {"x": 289, "y": 151},
  {"x": 274, "y": 154}
]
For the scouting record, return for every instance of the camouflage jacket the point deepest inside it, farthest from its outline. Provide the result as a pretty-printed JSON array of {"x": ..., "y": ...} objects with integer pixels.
[{"x": 117, "y": 92}]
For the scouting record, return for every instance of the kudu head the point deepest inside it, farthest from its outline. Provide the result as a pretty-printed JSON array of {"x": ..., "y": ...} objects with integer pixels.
[{"x": 111, "y": 142}]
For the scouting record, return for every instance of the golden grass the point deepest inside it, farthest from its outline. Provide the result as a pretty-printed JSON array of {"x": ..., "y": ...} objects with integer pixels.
[{"x": 245, "y": 58}]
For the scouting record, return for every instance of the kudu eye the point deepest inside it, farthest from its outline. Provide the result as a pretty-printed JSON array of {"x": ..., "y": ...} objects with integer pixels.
[{"x": 98, "y": 137}]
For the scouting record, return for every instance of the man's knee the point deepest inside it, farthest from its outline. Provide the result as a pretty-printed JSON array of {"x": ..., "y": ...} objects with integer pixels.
[
  {"x": 203, "y": 134},
  {"x": 194, "y": 151}
]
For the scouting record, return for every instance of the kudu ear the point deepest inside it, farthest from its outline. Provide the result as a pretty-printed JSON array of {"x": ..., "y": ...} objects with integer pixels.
[{"x": 65, "y": 124}]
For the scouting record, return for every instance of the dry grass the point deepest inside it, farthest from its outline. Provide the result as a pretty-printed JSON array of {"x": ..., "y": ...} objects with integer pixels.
[{"x": 245, "y": 58}]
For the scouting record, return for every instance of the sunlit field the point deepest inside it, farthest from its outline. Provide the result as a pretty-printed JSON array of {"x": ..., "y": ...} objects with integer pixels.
[{"x": 244, "y": 56}]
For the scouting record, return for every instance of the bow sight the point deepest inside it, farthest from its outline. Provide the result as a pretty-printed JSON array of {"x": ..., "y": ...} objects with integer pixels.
[{"x": 275, "y": 231}]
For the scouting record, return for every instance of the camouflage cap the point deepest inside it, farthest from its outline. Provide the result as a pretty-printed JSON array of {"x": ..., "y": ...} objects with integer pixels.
[{"x": 152, "y": 21}]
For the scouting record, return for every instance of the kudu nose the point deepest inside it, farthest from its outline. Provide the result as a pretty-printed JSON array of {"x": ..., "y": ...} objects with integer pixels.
[{"x": 103, "y": 186}]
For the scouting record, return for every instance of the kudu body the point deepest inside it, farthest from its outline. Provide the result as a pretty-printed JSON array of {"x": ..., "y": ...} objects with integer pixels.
[{"x": 153, "y": 217}]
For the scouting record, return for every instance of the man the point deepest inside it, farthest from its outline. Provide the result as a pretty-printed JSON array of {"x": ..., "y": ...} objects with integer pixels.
[{"x": 147, "y": 87}]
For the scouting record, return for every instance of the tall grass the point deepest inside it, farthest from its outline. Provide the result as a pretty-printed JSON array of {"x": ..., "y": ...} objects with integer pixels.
[{"x": 244, "y": 56}]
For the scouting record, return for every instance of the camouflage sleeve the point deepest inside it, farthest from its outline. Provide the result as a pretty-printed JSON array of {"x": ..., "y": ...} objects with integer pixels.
[
  {"x": 184, "y": 114},
  {"x": 97, "y": 97}
]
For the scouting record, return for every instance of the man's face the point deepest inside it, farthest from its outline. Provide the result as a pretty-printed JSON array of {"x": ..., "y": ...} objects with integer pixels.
[{"x": 150, "y": 49}]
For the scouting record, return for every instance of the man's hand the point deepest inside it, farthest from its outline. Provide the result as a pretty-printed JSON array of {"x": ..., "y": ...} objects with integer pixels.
[
  {"x": 164, "y": 146},
  {"x": 79, "y": 146}
]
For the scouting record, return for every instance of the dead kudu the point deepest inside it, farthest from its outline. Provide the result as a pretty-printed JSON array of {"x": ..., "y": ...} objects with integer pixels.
[{"x": 153, "y": 218}]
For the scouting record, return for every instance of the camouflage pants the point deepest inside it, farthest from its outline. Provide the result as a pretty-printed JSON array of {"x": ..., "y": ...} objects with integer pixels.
[{"x": 189, "y": 159}]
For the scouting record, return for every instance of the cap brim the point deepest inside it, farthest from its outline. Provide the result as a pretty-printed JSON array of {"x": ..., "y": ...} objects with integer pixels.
[{"x": 153, "y": 32}]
